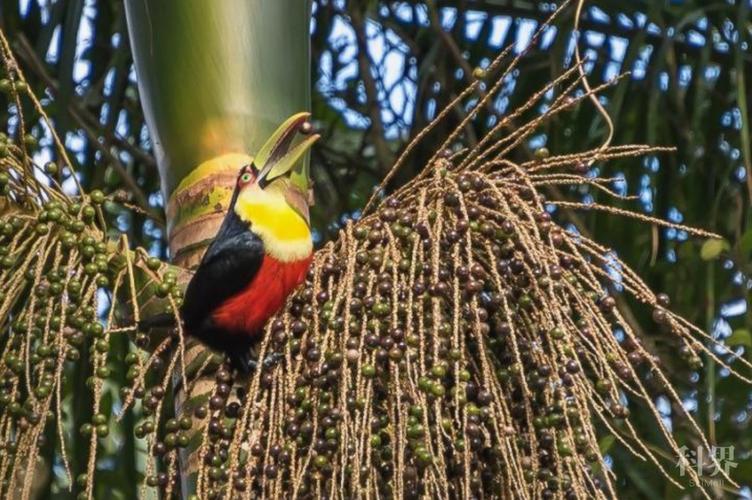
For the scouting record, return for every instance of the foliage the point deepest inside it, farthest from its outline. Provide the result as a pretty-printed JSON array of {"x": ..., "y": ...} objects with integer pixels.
[{"x": 683, "y": 91}]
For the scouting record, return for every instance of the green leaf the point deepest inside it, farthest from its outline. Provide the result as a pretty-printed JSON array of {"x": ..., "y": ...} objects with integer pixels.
[
  {"x": 745, "y": 243},
  {"x": 741, "y": 336},
  {"x": 105, "y": 404},
  {"x": 605, "y": 443},
  {"x": 711, "y": 249}
]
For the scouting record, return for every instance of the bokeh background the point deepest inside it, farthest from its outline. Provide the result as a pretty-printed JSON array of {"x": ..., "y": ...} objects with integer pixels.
[{"x": 381, "y": 72}]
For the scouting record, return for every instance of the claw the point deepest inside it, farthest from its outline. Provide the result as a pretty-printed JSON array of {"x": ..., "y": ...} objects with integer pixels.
[
  {"x": 243, "y": 363},
  {"x": 272, "y": 359},
  {"x": 247, "y": 364}
]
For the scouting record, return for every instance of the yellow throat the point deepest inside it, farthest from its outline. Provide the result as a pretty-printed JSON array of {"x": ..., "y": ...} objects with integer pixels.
[{"x": 283, "y": 230}]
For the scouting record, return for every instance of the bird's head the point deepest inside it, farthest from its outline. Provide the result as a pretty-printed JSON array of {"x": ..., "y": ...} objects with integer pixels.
[{"x": 271, "y": 193}]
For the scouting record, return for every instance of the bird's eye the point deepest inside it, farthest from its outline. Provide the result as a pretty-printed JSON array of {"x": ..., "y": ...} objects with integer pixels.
[{"x": 246, "y": 178}]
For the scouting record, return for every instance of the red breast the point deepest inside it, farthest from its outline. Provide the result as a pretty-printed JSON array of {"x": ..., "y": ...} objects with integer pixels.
[{"x": 246, "y": 312}]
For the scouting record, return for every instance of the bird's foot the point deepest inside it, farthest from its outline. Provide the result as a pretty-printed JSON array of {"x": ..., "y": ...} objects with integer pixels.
[
  {"x": 246, "y": 364},
  {"x": 272, "y": 359},
  {"x": 243, "y": 363}
]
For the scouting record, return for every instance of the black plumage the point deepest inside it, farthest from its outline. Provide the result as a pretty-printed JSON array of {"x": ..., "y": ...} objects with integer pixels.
[{"x": 229, "y": 265}]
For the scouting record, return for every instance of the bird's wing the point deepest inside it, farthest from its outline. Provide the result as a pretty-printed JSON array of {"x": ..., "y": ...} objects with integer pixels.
[{"x": 229, "y": 265}]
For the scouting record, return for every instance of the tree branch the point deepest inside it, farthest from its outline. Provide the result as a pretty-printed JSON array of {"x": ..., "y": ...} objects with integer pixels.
[{"x": 384, "y": 154}]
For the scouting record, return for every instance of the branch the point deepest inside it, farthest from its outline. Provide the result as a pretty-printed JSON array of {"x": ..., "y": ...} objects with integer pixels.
[{"x": 384, "y": 154}]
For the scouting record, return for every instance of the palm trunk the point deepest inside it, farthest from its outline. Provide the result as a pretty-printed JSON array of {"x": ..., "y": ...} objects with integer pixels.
[{"x": 216, "y": 78}]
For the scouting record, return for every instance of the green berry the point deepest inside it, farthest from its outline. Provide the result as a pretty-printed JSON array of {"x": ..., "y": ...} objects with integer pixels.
[
  {"x": 542, "y": 153},
  {"x": 437, "y": 390},
  {"x": 88, "y": 213},
  {"x": 171, "y": 440},
  {"x": 183, "y": 439},
  {"x": 163, "y": 290},
  {"x": 368, "y": 371},
  {"x": 51, "y": 168},
  {"x": 320, "y": 461},
  {"x": 185, "y": 423},
  {"x": 97, "y": 197}
]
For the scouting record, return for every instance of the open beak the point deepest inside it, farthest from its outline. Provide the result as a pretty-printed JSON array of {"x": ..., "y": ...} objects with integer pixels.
[{"x": 278, "y": 156}]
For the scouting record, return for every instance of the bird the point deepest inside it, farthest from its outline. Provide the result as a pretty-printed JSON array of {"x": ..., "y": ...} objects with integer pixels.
[{"x": 260, "y": 254}]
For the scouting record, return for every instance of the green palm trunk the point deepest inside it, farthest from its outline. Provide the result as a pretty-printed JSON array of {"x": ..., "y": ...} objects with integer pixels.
[{"x": 216, "y": 79}]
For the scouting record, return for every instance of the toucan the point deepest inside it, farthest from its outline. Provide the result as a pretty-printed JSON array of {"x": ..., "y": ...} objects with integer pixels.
[{"x": 260, "y": 253}]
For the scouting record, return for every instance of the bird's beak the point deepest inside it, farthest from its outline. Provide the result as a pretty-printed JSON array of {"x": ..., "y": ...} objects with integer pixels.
[{"x": 278, "y": 157}]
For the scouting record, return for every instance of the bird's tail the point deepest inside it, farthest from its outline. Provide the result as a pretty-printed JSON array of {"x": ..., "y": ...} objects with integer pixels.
[{"x": 163, "y": 320}]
